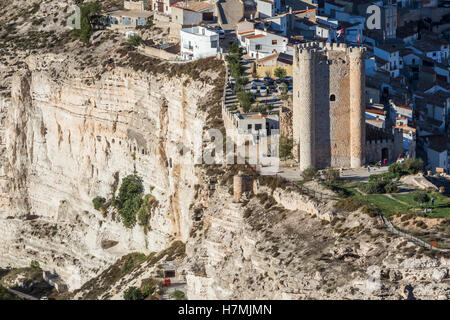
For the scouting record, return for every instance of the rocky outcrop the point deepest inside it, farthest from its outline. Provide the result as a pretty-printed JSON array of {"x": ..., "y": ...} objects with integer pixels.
[{"x": 286, "y": 247}]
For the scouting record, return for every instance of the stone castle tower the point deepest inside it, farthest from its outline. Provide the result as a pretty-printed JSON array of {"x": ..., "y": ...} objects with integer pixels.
[{"x": 329, "y": 105}]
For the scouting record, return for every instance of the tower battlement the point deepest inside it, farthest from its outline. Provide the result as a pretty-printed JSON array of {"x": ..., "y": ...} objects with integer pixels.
[{"x": 309, "y": 49}]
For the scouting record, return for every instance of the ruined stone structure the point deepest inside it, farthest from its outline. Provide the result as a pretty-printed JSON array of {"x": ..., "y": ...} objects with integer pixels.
[
  {"x": 286, "y": 122},
  {"x": 328, "y": 113},
  {"x": 382, "y": 144},
  {"x": 133, "y": 5},
  {"x": 241, "y": 183}
]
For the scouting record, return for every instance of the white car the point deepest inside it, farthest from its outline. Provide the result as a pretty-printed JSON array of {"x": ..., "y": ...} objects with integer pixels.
[
  {"x": 254, "y": 90},
  {"x": 258, "y": 83}
]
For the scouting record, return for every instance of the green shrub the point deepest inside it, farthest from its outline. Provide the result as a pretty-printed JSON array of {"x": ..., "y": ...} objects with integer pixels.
[
  {"x": 98, "y": 202},
  {"x": 413, "y": 166},
  {"x": 245, "y": 99},
  {"x": 391, "y": 187},
  {"x": 420, "y": 197},
  {"x": 178, "y": 295},
  {"x": 35, "y": 265},
  {"x": 133, "y": 293},
  {"x": 309, "y": 173},
  {"x": 370, "y": 210},
  {"x": 396, "y": 168},
  {"x": 134, "y": 40},
  {"x": 379, "y": 186},
  {"x": 145, "y": 210},
  {"x": 331, "y": 175},
  {"x": 286, "y": 145},
  {"x": 410, "y": 166},
  {"x": 349, "y": 204},
  {"x": 280, "y": 72},
  {"x": 129, "y": 200}
]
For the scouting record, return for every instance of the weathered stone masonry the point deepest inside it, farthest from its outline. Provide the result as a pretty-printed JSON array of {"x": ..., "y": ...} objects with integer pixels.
[{"x": 328, "y": 113}]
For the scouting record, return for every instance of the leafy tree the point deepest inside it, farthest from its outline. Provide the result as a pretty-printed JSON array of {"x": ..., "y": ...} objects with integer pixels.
[
  {"x": 87, "y": 11},
  {"x": 242, "y": 81},
  {"x": 129, "y": 200},
  {"x": 286, "y": 145},
  {"x": 268, "y": 73},
  {"x": 410, "y": 166},
  {"x": 235, "y": 50},
  {"x": 421, "y": 197},
  {"x": 413, "y": 166},
  {"x": 245, "y": 99},
  {"x": 280, "y": 72},
  {"x": 133, "y": 293},
  {"x": 131, "y": 186},
  {"x": 98, "y": 202},
  {"x": 236, "y": 68}
]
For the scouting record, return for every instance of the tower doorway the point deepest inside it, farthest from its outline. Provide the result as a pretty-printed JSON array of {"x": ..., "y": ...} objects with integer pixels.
[{"x": 384, "y": 155}]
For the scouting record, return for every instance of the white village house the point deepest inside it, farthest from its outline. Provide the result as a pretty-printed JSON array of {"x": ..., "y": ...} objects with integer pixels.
[{"x": 198, "y": 42}]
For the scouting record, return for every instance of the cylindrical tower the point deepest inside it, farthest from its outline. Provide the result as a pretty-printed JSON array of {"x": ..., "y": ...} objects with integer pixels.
[
  {"x": 304, "y": 108},
  {"x": 357, "y": 108}
]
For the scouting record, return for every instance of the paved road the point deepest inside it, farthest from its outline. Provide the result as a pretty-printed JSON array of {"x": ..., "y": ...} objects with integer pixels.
[
  {"x": 362, "y": 174},
  {"x": 293, "y": 173}
]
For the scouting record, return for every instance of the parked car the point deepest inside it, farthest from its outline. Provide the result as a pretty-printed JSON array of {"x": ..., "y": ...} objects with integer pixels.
[
  {"x": 288, "y": 78},
  {"x": 254, "y": 89},
  {"x": 263, "y": 91},
  {"x": 268, "y": 80},
  {"x": 258, "y": 83}
]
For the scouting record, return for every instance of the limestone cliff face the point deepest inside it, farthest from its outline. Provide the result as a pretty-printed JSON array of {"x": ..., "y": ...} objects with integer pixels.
[{"x": 68, "y": 138}]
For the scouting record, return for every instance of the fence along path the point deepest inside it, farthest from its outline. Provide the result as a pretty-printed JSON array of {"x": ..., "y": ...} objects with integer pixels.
[{"x": 417, "y": 241}]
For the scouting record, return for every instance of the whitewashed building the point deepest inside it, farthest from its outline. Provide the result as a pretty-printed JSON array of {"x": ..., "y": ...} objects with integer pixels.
[
  {"x": 198, "y": 42},
  {"x": 262, "y": 43}
]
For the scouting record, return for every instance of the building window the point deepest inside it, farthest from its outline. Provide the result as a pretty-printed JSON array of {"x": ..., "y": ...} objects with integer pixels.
[
  {"x": 274, "y": 41},
  {"x": 249, "y": 127},
  {"x": 258, "y": 126},
  {"x": 258, "y": 47},
  {"x": 332, "y": 97},
  {"x": 214, "y": 44}
]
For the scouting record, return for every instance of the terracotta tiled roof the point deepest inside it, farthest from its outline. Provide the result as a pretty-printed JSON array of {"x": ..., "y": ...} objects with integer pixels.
[{"x": 256, "y": 36}]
